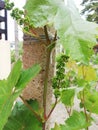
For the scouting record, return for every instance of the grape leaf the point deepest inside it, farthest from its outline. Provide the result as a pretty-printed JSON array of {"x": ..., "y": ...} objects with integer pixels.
[
  {"x": 42, "y": 12},
  {"x": 8, "y": 90},
  {"x": 67, "y": 97},
  {"x": 87, "y": 73},
  {"x": 22, "y": 118},
  {"x": 26, "y": 76},
  {"x": 91, "y": 101},
  {"x": 76, "y": 35},
  {"x": 76, "y": 121}
]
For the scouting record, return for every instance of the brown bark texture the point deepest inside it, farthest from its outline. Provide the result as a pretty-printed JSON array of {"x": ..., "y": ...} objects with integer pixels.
[{"x": 35, "y": 51}]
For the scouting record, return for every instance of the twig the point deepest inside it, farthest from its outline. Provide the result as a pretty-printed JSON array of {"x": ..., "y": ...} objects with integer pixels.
[
  {"x": 52, "y": 109},
  {"x": 46, "y": 76},
  {"x": 46, "y": 34},
  {"x": 30, "y": 108},
  {"x": 55, "y": 36}
]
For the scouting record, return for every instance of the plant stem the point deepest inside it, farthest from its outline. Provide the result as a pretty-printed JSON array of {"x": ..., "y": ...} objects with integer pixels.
[
  {"x": 46, "y": 83},
  {"x": 68, "y": 111},
  {"x": 83, "y": 96},
  {"x": 46, "y": 34},
  {"x": 52, "y": 109},
  {"x": 55, "y": 36},
  {"x": 30, "y": 108},
  {"x": 84, "y": 107},
  {"x": 46, "y": 76},
  {"x": 83, "y": 100}
]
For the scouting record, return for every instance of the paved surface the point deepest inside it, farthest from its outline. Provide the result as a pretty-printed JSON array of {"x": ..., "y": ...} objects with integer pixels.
[{"x": 60, "y": 114}]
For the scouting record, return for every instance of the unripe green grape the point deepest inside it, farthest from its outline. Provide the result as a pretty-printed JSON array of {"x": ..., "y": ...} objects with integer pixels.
[
  {"x": 21, "y": 22},
  {"x": 8, "y": 5},
  {"x": 54, "y": 83},
  {"x": 26, "y": 28},
  {"x": 57, "y": 93},
  {"x": 63, "y": 84},
  {"x": 21, "y": 12}
]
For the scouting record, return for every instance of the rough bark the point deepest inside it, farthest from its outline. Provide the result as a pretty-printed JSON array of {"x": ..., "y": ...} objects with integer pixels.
[{"x": 35, "y": 51}]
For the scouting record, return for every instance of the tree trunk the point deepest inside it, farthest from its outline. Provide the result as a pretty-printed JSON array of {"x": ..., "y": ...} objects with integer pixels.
[{"x": 35, "y": 51}]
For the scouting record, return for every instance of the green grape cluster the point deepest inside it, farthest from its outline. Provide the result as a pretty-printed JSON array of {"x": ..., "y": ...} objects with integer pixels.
[
  {"x": 9, "y": 5},
  {"x": 58, "y": 81},
  {"x": 19, "y": 15}
]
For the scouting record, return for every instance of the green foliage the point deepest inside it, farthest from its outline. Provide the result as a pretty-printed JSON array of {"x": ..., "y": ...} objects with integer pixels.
[
  {"x": 11, "y": 88},
  {"x": 76, "y": 35},
  {"x": 95, "y": 59},
  {"x": 76, "y": 121},
  {"x": 71, "y": 28},
  {"x": 81, "y": 82},
  {"x": 9, "y": 6},
  {"x": 34, "y": 104},
  {"x": 67, "y": 97},
  {"x": 22, "y": 118},
  {"x": 74, "y": 74},
  {"x": 26, "y": 76},
  {"x": 73, "y": 35},
  {"x": 79, "y": 120},
  {"x": 42, "y": 12},
  {"x": 12, "y": 56},
  {"x": 91, "y": 101},
  {"x": 58, "y": 81},
  {"x": 87, "y": 72},
  {"x": 90, "y": 10}
]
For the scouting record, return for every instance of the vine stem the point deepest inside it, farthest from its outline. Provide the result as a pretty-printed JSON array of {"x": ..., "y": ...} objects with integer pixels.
[
  {"x": 68, "y": 111},
  {"x": 83, "y": 97},
  {"x": 52, "y": 109},
  {"x": 46, "y": 76},
  {"x": 46, "y": 84},
  {"x": 30, "y": 108},
  {"x": 85, "y": 108}
]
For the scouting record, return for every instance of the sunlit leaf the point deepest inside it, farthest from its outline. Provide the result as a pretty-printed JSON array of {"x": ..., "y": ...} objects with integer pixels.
[
  {"x": 67, "y": 97},
  {"x": 88, "y": 73},
  {"x": 76, "y": 35},
  {"x": 42, "y": 12},
  {"x": 73, "y": 31},
  {"x": 71, "y": 65}
]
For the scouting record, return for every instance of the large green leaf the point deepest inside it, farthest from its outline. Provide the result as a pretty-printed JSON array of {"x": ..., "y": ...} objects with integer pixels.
[
  {"x": 67, "y": 97},
  {"x": 22, "y": 119},
  {"x": 75, "y": 122},
  {"x": 8, "y": 91},
  {"x": 76, "y": 35},
  {"x": 7, "y": 95},
  {"x": 42, "y": 12}
]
